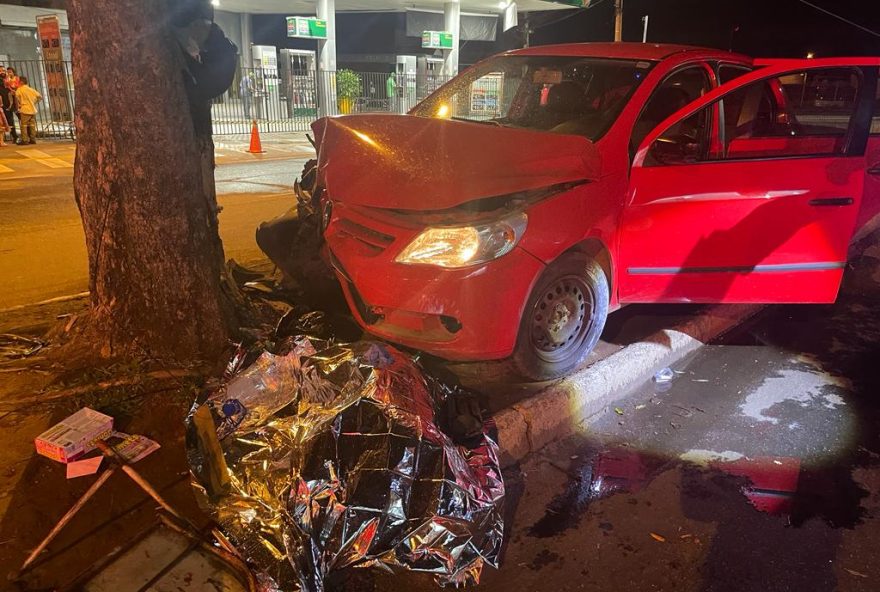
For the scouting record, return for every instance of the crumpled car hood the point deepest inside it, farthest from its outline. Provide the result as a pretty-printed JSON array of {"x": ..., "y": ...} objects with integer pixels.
[{"x": 416, "y": 163}]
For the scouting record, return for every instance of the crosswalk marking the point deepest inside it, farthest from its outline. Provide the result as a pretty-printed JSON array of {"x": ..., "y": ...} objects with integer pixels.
[
  {"x": 54, "y": 163},
  {"x": 35, "y": 154}
]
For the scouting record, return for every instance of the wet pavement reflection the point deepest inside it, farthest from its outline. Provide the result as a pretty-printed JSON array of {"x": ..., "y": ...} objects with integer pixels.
[
  {"x": 756, "y": 467},
  {"x": 751, "y": 465},
  {"x": 771, "y": 435}
]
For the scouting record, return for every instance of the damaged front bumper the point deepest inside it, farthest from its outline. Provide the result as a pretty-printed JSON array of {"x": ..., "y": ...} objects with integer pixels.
[{"x": 463, "y": 314}]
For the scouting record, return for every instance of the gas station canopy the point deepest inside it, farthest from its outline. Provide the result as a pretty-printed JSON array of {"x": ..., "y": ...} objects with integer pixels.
[{"x": 308, "y": 6}]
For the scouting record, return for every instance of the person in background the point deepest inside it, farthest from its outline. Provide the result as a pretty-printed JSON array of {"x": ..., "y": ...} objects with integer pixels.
[
  {"x": 391, "y": 92},
  {"x": 4, "y": 127},
  {"x": 12, "y": 80},
  {"x": 26, "y": 99},
  {"x": 7, "y": 106},
  {"x": 246, "y": 90}
]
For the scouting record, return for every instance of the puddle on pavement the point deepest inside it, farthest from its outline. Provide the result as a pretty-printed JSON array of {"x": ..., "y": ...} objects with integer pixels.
[
  {"x": 778, "y": 486},
  {"x": 596, "y": 475}
]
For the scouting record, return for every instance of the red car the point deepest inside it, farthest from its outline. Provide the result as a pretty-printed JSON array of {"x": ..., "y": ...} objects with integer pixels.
[{"x": 520, "y": 203}]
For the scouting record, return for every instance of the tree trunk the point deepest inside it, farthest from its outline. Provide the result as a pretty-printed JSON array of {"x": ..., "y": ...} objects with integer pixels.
[{"x": 144, "y": 185}]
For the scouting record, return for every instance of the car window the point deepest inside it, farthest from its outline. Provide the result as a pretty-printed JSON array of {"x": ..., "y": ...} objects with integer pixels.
[
  {"x": 676, "y": 91},
  {"x": 558, "y": 94},
  {"x": 799, "y": 114},
  {"x": 728, "y": 72}
]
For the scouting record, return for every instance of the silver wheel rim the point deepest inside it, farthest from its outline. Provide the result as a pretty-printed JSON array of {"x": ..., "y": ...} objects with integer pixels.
[{"x": 562, "y": 318}]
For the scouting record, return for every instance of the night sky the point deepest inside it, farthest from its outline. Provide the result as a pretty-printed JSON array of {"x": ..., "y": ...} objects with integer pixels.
[{"x": 769, "y": 28}]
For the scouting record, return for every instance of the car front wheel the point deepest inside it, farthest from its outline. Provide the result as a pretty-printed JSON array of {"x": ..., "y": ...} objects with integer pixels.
[{"x": 563, "y": 318}]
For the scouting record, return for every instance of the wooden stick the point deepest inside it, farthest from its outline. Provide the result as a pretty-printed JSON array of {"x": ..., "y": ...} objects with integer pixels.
[
  {"x": 91, "y": 491},
  {"x": 110, "y": 453}
]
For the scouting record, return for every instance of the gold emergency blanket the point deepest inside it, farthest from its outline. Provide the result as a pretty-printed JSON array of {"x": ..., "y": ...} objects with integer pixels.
[{"x": 330, "y": 457}]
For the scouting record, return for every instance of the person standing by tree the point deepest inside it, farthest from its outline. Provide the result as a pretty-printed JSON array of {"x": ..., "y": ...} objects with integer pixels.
[
  {"x": 7, "y": 106},
  {"x": 27, "y": 98}
]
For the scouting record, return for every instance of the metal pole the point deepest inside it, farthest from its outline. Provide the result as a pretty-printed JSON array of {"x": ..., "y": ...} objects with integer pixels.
[
  {"x": 645, "y": 29},
  {"x": 326, "y": 9},
  {"x": 618, "y": 20},
  {"x": 452, "y": 24}
]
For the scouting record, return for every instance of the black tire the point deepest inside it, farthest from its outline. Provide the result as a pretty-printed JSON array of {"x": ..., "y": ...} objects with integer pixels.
[{"x": 563, "y": 318}]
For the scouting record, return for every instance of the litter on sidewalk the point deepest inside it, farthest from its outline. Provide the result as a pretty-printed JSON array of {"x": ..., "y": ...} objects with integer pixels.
[
  {"x": 84, "y": 467},
  {"x": 87, "y": 430},
  {"x": 74, "y": 436},
  {"x": 664, "y": 375},
  {"x": 15, "y": 346},
  {"x": 320, "y": 458}
]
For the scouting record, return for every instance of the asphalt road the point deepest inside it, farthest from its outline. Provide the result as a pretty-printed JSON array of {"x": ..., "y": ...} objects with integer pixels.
[
  {"x": 42, "y": 250},
  {"x": 756, "y": 469}
]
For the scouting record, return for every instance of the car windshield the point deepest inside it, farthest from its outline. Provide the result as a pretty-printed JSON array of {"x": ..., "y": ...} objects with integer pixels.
[{"x": 558, "y": 94}]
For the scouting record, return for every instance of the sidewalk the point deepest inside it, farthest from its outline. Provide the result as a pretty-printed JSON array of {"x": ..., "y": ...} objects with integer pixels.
[
  {"x": 56, "y": 157},
  {"x": 234, "y": 148},
  {"x": 34, "y": 492}
]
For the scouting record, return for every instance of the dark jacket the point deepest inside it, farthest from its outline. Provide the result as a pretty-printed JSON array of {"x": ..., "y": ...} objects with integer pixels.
[
  {"x": 210, "y": 77},
  {"x": 7, "y": 98}
]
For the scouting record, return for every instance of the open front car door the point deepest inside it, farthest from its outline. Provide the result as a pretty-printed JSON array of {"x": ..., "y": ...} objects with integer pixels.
[{"x": 751, "y": 193}]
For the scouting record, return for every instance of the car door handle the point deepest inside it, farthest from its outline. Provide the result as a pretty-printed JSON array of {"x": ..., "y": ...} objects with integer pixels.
[
  {"x": 831, "y": 201},
  {"x": 874, "y": 171}
]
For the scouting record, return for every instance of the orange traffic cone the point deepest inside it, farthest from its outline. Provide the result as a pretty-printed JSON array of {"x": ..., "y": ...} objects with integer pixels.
[{"x": 256, "y": 146}]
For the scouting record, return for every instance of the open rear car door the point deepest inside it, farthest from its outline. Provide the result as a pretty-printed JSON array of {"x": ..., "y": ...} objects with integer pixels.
[{"x": 752, "y": 192}]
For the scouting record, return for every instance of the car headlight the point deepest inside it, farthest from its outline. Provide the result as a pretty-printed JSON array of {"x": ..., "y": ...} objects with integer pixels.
[{"x": 461, "y": 246}]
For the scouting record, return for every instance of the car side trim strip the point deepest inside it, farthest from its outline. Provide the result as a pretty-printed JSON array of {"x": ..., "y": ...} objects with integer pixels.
[{"x": 775, "y": 268}]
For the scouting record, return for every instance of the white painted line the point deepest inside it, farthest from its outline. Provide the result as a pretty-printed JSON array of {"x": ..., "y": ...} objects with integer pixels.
[
  {"x": 5, "y": 169},
  {"x": 66, "y": 298},
  {"x": 54, "y": 163},
  {"x": 35, "y": 154}
]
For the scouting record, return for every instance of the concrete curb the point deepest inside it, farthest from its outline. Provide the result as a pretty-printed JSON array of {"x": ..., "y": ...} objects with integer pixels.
[{"x": 562, "y": 407}]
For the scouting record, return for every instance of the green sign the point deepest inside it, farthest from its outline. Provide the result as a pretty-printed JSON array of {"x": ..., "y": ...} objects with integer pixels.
[
  {"x": 437, "y": 40},
  {"x": 306, "y": 27}
]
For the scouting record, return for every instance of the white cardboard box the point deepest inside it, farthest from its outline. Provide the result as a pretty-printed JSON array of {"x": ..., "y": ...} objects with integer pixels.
[{"x": 74, "y": 436}]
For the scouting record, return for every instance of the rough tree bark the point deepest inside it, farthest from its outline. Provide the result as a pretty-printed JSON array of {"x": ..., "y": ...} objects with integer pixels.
[{"x": 144, "y": 185}]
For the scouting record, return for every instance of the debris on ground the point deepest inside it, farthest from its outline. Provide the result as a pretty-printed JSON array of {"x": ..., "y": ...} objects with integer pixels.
[
  {"x": 853, "y": 572},
  {"x": 82, "y": 442},
  {"x": 664, "y": 375},
  {"x": 293, "y": 241},
  {"x": 13, "y": 347},
  {"x": 72, "y": 439},
  {"x": 84, "y": 467},
  {"x": 74, "y": 436},
  {"x": 320, "y": 457}
]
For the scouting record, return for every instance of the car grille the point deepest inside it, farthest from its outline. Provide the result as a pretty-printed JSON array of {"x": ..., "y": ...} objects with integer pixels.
[{"x": 368, "y": 236}]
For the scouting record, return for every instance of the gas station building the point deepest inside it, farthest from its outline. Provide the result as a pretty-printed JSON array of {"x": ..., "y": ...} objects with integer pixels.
[
  {"x": 290, "y": 48},
  {"x": 397, "y": 51},
  {"x": 461, "y": 20}
]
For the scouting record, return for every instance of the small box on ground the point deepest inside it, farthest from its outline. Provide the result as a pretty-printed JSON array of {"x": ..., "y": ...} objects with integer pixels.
[{"x": 74, "y": 436}]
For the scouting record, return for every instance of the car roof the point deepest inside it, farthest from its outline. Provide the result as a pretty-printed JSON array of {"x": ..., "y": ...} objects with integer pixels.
[{"x": 625, "y": 50}]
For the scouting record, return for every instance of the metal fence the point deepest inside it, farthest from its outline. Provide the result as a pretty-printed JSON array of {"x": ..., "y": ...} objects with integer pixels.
[
  {"x": 291, "y": 101},
  {"x": 279, "y": 101},
  {"x": 53, "y": 80}
]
